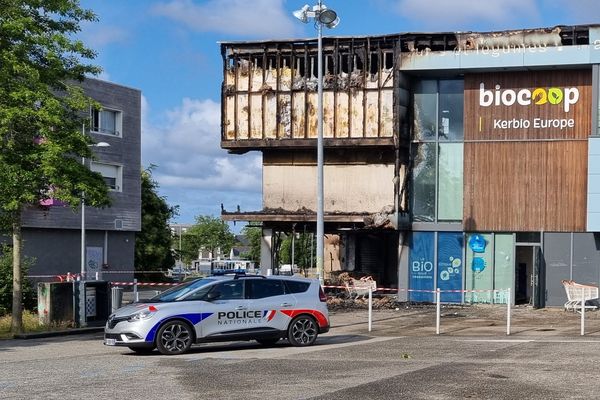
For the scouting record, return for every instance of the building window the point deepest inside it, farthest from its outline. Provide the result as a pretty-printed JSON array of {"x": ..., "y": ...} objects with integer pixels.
[
  {"x": 112, "y": 174},
  {"x": 437, "y": 151},
  {"x": 450, "y": 182},
  {"x": 106, "y": 121},
  {"x": 424, "y": 182},
  {"x": 490, "y": 265}
]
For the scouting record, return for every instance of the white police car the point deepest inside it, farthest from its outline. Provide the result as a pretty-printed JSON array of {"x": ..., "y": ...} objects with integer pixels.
[{"x": 222, "y": 308}]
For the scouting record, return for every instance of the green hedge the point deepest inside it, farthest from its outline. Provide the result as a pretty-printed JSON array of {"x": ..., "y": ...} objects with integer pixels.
[{"x": 6, "y": 284}]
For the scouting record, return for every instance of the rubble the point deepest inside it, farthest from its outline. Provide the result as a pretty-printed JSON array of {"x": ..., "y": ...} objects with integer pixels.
[{"x": 345, "y": 304}]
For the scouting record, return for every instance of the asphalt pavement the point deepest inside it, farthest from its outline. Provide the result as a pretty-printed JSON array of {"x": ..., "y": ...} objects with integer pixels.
[{"x": 545, "y": 357}]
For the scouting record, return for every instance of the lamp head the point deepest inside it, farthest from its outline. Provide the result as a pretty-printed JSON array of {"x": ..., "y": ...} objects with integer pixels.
[
  {"x": 333, "y": 23},
  {"x": 320, "y": 13},
  {"x": 327, "y": 16},
  {"x": 302, "y": 14}
]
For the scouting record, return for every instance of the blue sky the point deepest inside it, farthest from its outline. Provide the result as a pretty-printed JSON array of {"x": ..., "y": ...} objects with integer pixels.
[{"x": 168, "y": 49}]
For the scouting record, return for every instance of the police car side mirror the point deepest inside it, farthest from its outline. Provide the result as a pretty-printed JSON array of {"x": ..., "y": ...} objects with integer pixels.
[{"x": 213, "y": 295}]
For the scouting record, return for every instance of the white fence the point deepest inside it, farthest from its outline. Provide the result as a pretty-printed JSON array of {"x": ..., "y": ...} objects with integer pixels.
[{"x": 505, "y": 294}]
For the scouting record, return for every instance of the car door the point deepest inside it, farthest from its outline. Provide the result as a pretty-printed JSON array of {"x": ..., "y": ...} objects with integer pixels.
[
  {"x": 268, "y": 295},
  {"x": 228, "y": 309},
  {"x": 196, "y": 309}
]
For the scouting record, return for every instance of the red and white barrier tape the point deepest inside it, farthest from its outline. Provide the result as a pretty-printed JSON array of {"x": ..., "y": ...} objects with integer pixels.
[
  {"x": 418, "y": 290},
  {"x": 144, "y": 284},
  {"x": 72, "y": 277}
]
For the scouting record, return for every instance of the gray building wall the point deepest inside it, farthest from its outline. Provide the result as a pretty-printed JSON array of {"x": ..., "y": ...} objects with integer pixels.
[
  {"x": 573, "y": 256},
  {"x": 53, "y": 237},
  {"x": 53, "y": 252},
  {"x": 125, "y": 210}
]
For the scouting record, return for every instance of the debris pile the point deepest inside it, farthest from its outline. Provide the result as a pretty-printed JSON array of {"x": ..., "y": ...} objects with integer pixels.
[{"x": 379, "y": 303}]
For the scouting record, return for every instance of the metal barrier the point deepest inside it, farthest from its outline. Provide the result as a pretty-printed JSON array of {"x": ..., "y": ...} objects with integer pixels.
[
  {"x": 116, "y": 297},
  {"x": 438, "y": 292},
  {"x": 438, "y": 303}
]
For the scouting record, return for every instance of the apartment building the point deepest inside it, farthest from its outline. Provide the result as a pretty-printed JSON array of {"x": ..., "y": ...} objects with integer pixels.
[{"x": 52, "y": 236}]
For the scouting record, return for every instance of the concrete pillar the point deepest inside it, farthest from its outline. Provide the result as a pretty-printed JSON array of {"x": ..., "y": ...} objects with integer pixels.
[
  {"x": 266, "y": 246},
  {"x": 403, "y": 265}
]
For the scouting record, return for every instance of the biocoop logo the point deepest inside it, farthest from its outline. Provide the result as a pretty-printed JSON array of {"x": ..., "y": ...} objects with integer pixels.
[{"x": 567, "y": 96}]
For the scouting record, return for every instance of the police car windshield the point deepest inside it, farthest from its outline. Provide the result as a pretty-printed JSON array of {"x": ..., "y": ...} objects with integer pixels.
[{"x": 180, "y": 290}]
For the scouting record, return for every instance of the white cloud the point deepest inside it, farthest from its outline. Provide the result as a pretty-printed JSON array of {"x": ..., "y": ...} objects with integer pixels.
[
  {"x": 103, "y": 75},
  {"x": 463, "y": 14},
  {"x": 186, "y": 150},
  {"x": 98, "y": 36},
  {"x": 226, "y": 173},
  {"x": 256, "y": 18}
]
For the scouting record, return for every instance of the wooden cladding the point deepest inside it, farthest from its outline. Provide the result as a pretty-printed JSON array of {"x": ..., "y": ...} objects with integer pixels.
[
  {"x": 525, "y": 186},
  {"x": 528, "y": 105}
]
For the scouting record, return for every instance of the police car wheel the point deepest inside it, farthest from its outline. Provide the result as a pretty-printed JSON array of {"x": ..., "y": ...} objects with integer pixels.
[
  {"x": 268, "y": 342},
  {"x": 303, "y": 331},
  {"x": 142, "y": 350},
  {"x": 174, "y": 337}
]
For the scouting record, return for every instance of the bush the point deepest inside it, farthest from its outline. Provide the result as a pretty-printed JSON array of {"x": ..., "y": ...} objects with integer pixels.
[
  {"x": 6, "y": 284},
  {"x": 31, "y": 323}
]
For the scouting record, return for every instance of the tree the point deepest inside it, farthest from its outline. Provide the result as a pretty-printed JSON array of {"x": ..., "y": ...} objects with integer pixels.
[
  {"x": 153, "y": 250},
  {"x": 254, "y": 236},
  {"x": 42, "y": 113},
  {"x": 208, "y": 233},
  {"x": 303, "y": 249},
  {"x": 6, "y": 279}
]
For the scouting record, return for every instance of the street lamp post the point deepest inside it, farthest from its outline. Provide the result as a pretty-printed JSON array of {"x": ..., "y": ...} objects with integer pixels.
[
  {"x": 322, "y": 16},
  {"x": 83, "y": 272},
  {"x": 81, "y": 302}
]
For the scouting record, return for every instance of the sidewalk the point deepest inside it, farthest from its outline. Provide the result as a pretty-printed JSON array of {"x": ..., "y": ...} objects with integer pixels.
[
  {"x": 66, "y": 332},
  {"x": 456, "y": 320},
  {"x": 466, "y": 320}
]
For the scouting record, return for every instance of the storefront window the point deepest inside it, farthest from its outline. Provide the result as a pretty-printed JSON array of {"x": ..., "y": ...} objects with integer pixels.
[
  {"x": 425, "y": 110},
  {"x": 421, "y": 266},
  {"x": 438, "y": 171},
  {"x": 450, "y": 265},
  {"x": 450, "y": 182},
  {"x": 450, "y": 119},
  {"x": 504, "y": 265},
  {"x": 424, "y": 182},
  {"x": 479, "y": 268}
]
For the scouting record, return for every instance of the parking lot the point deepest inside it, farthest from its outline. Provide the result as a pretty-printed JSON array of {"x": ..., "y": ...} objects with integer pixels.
[{"x": 545, "y": 358}]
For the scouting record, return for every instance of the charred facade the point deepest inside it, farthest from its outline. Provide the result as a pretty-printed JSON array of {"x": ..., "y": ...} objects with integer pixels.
[{"x": 433, "y": 142}]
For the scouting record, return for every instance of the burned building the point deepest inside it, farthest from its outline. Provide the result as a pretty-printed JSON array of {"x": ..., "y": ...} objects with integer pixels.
[{"x": 456, "y": 160}]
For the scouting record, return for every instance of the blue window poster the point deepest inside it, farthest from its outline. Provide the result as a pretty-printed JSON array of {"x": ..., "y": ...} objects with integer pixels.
[
  {"x": 450, "y": 265},
  {"x": 421, "y": 268}
]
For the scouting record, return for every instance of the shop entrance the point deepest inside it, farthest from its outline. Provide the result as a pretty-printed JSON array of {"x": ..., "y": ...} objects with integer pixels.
[{"x": 529, "y": 276}]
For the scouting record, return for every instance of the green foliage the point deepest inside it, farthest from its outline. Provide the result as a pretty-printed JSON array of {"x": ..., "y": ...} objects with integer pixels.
[
  {"x": 254, "y": 236},
  {"x": 209, "y": 233},
  {"x": 6, "y": 284},
  {"x": 41, "y": 107},
  {"x": 31, "y": 323},
  {"x": 302, "y": 250},
  {"x": 42, "y": 113},
  {"x": 153, "y": 244}
]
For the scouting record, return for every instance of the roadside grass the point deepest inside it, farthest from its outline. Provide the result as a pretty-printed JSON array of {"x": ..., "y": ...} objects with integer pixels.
[{"x": 31, "y": 323}]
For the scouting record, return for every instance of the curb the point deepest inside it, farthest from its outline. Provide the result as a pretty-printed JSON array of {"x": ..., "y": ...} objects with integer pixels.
[{"x": 76, "y": 331}]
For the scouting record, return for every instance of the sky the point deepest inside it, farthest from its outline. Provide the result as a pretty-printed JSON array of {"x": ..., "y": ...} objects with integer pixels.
[{"x": 169, "y": 50}]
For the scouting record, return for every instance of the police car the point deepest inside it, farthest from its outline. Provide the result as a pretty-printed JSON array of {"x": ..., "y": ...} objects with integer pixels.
[{"x": 222, "y": 308}]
